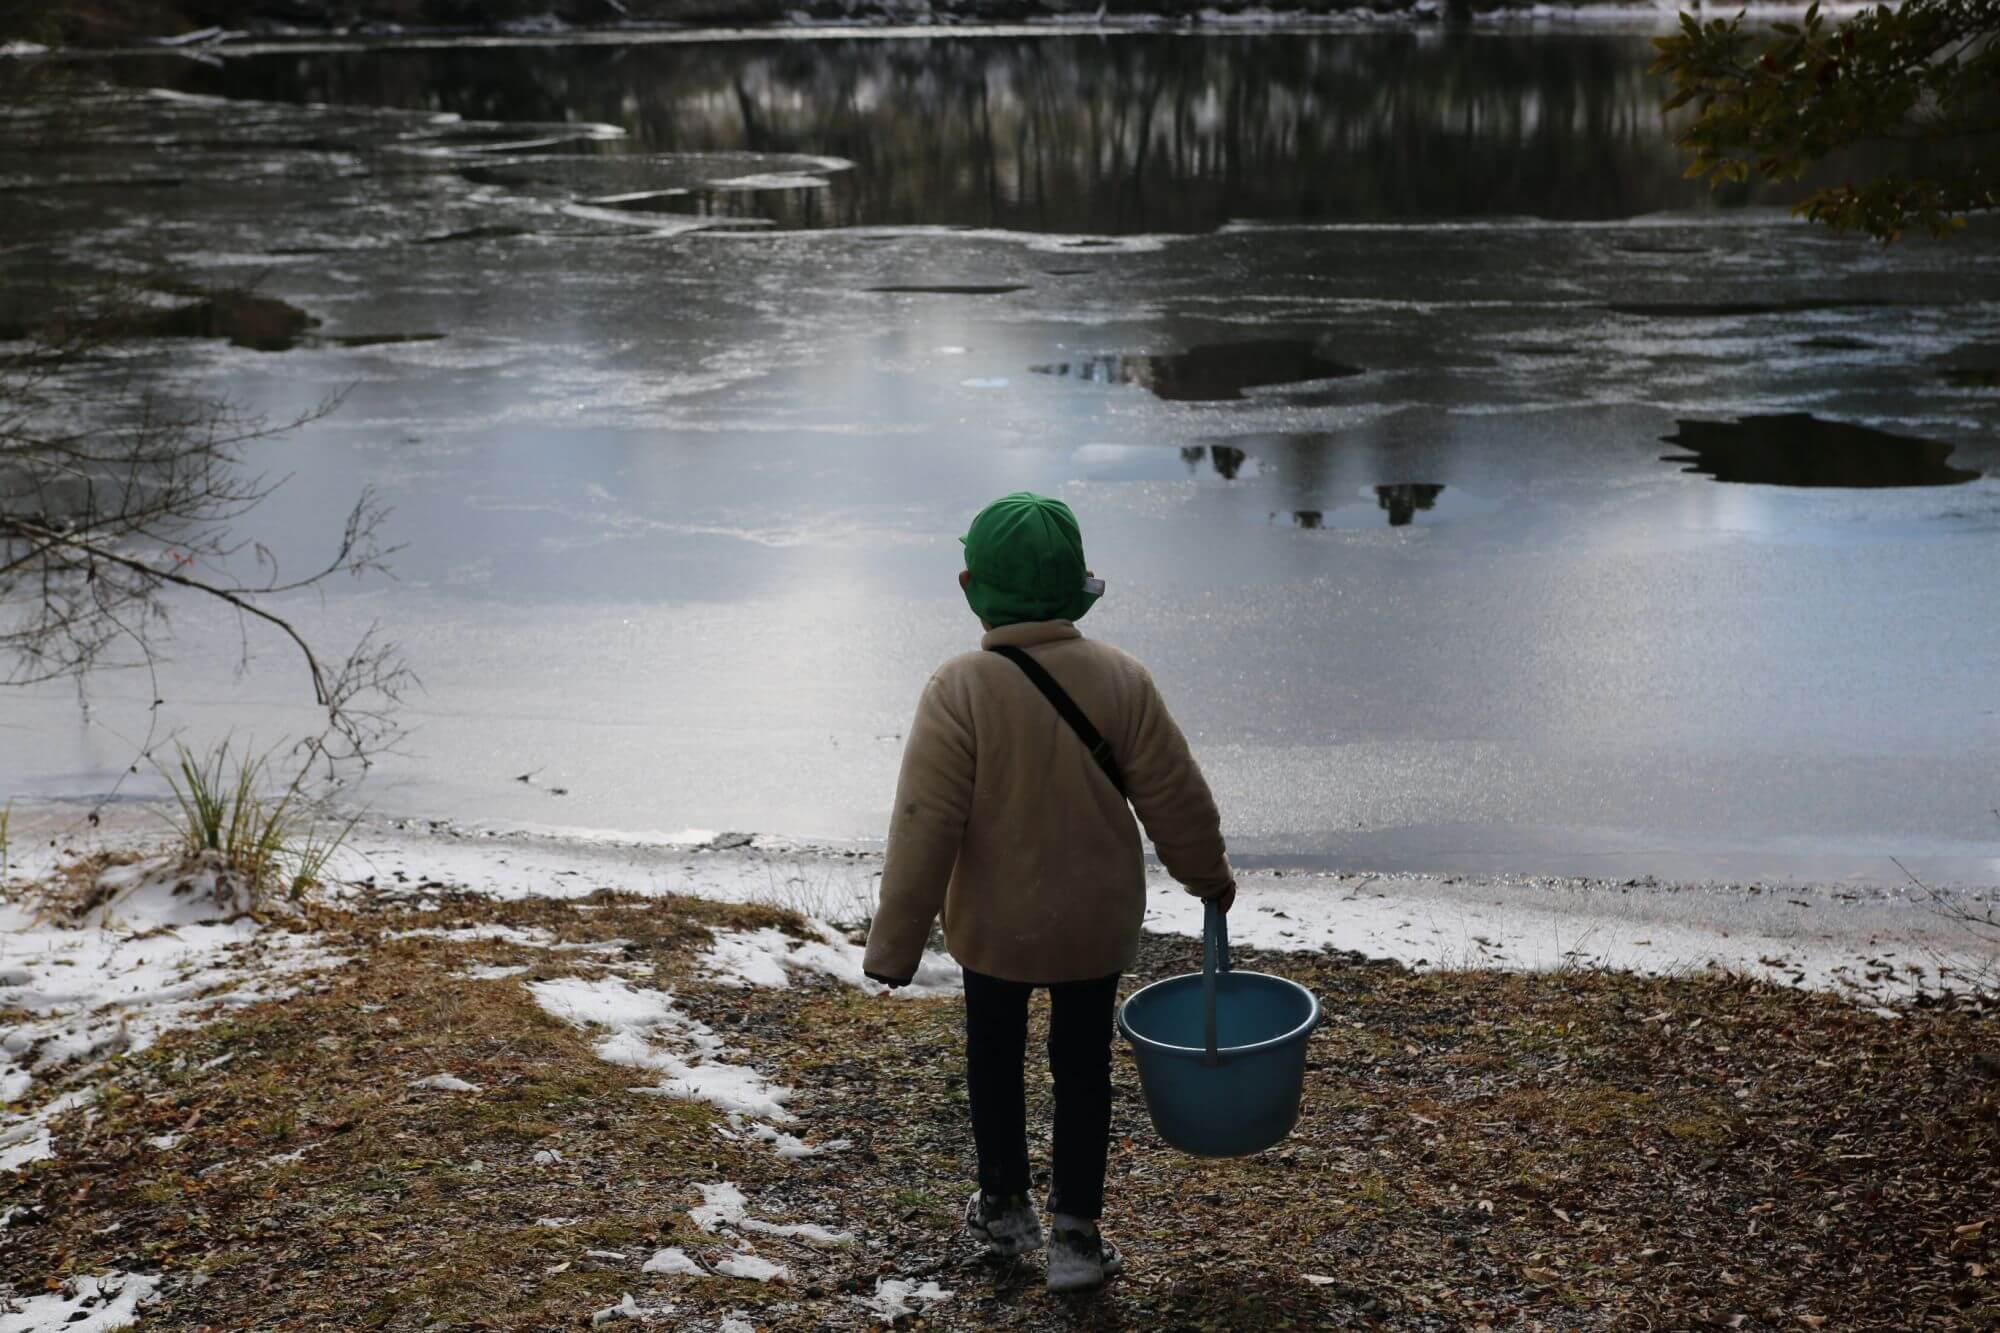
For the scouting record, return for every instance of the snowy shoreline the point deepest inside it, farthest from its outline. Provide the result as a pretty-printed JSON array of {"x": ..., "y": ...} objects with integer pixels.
[
  {"x": 1859, "y": 942},
  {"x": 149, "y": 944}
]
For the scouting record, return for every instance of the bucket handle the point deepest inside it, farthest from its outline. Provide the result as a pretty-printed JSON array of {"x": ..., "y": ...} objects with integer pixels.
[{"x": 1214, "y": 960}]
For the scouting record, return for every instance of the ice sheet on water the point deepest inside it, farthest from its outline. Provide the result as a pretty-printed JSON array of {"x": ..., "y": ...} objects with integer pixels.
[
  {"x": 667, "y": 224},
  {"x": 593, "y": 177},
  {"x": 773, "y": 180},
  {"x": 477, "y": 139},
  {"x": 1039, "y": 242}
]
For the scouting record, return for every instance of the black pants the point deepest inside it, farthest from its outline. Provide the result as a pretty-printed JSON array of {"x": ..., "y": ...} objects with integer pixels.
[{"x": 996, "y": 1047}]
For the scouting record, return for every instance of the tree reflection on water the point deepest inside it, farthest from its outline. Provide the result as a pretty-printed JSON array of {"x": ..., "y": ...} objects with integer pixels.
[
  {"x": 1127, "y": 134},
  {"x": 1402, "y": 501}
]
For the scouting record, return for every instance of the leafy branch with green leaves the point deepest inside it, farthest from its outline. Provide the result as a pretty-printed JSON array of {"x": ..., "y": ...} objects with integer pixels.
[{"x": 1924, "y": 74}]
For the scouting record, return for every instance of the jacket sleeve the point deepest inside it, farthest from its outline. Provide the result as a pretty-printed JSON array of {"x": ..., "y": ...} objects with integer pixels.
[
  {"x": 933, "y": 802},
  {"x": 1172, "y": 799}
]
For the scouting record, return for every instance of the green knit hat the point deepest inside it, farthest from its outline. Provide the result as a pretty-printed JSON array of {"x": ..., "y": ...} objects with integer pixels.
[{"x": 1026, "y": 558}]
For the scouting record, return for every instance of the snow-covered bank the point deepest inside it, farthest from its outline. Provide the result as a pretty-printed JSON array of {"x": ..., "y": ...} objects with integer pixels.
[
  {"x": 83, "y": 1305},
  {"x": 167, "y": 946},
  {"x": 1880, "y": 944}
]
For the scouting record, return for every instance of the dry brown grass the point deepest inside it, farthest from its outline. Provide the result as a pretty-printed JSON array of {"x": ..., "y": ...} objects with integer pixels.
[{"x": 1574, "y": 1151}]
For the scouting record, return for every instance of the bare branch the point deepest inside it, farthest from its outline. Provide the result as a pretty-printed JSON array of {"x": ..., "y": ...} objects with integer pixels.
[{"x": 117, "y": 498}]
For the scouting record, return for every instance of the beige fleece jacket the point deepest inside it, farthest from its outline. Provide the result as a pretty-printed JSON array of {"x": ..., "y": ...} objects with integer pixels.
[{"x": 1005, "y": 823}]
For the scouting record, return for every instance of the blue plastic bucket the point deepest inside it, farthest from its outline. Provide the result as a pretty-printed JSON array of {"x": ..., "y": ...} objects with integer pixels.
[{"x": 1221, "y": 1054}]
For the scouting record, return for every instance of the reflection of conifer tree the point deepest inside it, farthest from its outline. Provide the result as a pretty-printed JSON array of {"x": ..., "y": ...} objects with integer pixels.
[
  {"x": 1303, "y": 464},
  {"x": 1228, "y": 460},
  {"x": 1403, "y": 501},
  {"x": 1192, "y": 454},
  {"x": 1308, "y": 518}
]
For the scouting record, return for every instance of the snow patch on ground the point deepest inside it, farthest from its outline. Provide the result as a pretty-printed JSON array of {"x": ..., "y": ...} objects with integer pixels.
[
  {"x": 766, "y": 958},
  {"x": 893, "y": 1297},
  {"x": 627, "y": 1308},
  {"x": 445, "y": 1083},
  {"x": 492, "y": 973},
  {"x": 527, "y": 938},
  {"x": 645, "y": 1031},
  {"x": 789, "y": 1146},
  {"x": 168, "y": 891},
  {"x": 723, "y": 1205},
  {"x": 672, "y": 1263},
  {"x": 151, "y": 956},
  {"x": 752, "y": 1268},
  {"x": 25, "y": 1142},
  {"x": 84, "y": 1305}
]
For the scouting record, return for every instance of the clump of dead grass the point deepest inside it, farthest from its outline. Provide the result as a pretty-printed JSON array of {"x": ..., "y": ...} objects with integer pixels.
[{"x": 228, "y": 815}]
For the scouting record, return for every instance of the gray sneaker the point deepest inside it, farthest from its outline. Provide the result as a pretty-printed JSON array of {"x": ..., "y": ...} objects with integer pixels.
[
  {"x": 1008, "y": 1226},
  {"x": 1080, "y": 1258}
]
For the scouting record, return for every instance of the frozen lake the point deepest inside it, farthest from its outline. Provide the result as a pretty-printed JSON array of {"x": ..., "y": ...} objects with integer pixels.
[{"x": 1355, "y": 354}]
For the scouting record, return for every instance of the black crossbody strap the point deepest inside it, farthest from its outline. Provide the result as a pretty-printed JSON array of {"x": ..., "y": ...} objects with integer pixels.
[{"x": 1093, "y": 740}]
